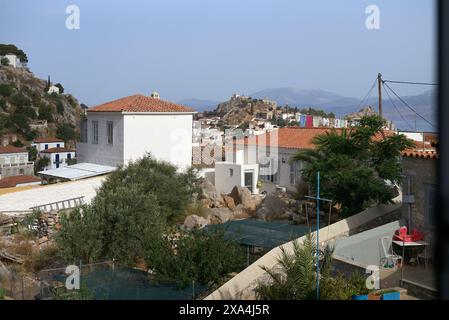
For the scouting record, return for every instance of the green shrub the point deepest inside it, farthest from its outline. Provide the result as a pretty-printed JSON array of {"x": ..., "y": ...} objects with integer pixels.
[
  {"x": 19, "y": 100},
  {"x": 60, "y": 107},
  {"x": 45, "y": 112},
  {"x": 66, "y": 132},
  {"x": 6, "y": 90}
]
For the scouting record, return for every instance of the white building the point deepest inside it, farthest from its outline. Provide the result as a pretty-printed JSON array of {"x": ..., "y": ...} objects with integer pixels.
[
  {"x": 14, "y": 61},
  {"x": 234, "y": 172},
  {"x": 14, "y": 162},
  {"x": 274, "y": 152},
  {"x": 47, "y": 143},
  {"x": 53, "y": 89},
  {"x": 59, "y": 157},
  {"x": 125, "y": 129}
]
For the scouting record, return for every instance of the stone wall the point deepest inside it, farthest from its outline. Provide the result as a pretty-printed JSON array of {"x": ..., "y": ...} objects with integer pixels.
[
  {"x": 15, "y": 170},
  {"x": 422, "y": 173}
]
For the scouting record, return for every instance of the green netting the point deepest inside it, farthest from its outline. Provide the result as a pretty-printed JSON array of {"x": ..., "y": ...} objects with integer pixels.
[
  {"x": 265, "y": 234},
  {"x": 132, "y": 284}
]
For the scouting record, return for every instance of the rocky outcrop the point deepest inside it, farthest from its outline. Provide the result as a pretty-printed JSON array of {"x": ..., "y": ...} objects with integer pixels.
[
  {"x": 242, "y": 195},
  {"x": 229, "y": 202},
  {"x": 272, "y": 207},
  {"x": 219, "y": 215},
  {"x": 210, "y": 196},
  {"x": 241, "y": 109},
  {"x": 27, "y": 94},
  {"x": 194, "y": 221}
]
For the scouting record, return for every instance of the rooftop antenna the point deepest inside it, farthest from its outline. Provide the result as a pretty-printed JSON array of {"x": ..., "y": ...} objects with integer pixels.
[{"x": 318, "y": 199}]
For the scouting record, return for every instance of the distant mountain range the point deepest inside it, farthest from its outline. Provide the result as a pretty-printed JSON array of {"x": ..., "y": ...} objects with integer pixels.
[{"x": 424, "y": 104}]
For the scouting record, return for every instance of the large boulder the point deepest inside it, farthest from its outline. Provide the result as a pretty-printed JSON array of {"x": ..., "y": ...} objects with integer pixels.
[
  {"x": 194, "y": 221},
  {"x": 272, "y": 207},
  {"x": 242, "y": 195},
  {"x": 219, "y": 215},
  {"x": 210, "y": 193},
  {"x": 229, "y": 202}
]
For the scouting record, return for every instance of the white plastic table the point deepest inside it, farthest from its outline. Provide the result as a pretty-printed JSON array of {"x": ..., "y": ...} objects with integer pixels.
[{"x": 410, "y": 244}]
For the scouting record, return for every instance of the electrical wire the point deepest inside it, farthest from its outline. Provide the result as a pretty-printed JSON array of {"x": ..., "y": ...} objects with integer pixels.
[
  {"x": 408, "y": 106},
  {"x": 397, "y": 109}
]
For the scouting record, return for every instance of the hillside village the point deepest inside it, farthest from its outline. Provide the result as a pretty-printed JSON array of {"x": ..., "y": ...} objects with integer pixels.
[{"x": 69, "y": 172}]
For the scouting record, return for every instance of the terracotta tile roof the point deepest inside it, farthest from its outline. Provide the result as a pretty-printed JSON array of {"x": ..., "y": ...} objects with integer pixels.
[
  {"x": 297, "y": 137},
  {"x": 13, "y": 181},
  {"x": 416, "y": 153},
  {"x": 139, "y": 103},
  {"x": 56, "y": 150},
  {"x": 11, "y": 149},
  {"x": 42, "y": 140}
]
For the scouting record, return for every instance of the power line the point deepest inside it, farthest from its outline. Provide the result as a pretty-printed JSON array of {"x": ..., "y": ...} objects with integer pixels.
[
  {"x": 409, "y": 82},
  {"x": 366, "y": 96},
  {"x": 397, "y": 109},
  {"x": 408, "y": 106}
]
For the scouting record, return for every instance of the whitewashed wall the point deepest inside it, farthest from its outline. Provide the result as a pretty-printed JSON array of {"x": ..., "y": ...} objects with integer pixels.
[
  {"x": 166, "y": 136},
  {"x": 103, "y": 153}
]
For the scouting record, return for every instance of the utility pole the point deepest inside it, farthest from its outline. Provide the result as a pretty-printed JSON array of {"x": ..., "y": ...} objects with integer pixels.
[{"x": 379, "y": 85}]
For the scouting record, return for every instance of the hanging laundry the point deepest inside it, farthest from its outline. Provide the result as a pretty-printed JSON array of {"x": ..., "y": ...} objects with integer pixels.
[
  {"x": 309, "y": 121},
  {"x": 332, "y": 122},
  {"x": 302, "y": 120},
  {"x": 337, "y": 124},
  {"x": 325, "y": 122},
  {"x": 316, "y": 121}
]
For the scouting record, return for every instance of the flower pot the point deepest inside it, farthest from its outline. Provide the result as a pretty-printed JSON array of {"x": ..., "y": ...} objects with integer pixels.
[
  {"x": 359, "y": 297},
  {"x": 391, "y": 296},
  {"x": 374, "y": 297}
]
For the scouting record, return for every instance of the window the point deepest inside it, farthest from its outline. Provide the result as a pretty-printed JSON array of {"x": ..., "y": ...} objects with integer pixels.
[
  {"x": 95, "y": 132},
  {"x": 46, "y": 146},
  {"x": 83, "y": 131},
  {"x": 110, "y": 132},
  {"x": 231, "y": 172},
  {"x": 292, "y": 173},
  {"x": 58, "y": 145},
  {"x": 429, "y": 204}
]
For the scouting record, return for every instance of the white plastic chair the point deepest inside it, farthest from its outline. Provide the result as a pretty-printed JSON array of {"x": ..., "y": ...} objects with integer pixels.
[{"x": 389, "y": 257}]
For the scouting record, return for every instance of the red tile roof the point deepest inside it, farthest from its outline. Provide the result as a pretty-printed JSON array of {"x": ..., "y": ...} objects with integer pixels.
[
  {"x": 42, "y": 140},
  {"x": 139, "y": 103},
  {"x": 11, "y": 149},
  {"x": 416, "y": 153},
  {"x": 297, "y": 137},
  {"x": 56, "y": 150},
  {"x": 13, "y": 181}
]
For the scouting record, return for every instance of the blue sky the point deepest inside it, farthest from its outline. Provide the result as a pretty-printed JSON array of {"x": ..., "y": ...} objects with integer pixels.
[{"x": 212, "y": 48}]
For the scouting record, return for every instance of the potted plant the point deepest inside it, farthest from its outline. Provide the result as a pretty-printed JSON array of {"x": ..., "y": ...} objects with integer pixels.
[
  {"x": 374, "y": 296},
  {"x": 390, "y": 295},
  {"x": 358, "y": 289}
]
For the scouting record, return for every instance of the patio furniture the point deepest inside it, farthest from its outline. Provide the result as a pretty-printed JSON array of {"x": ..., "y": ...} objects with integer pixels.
[
  {"x": 426, "y": 255},
  {"x": 411, "y": 244},
  {"x": 389, "y": 257}
]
